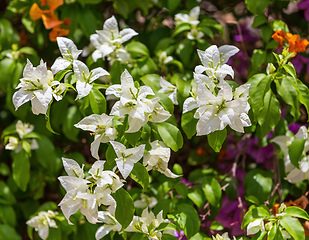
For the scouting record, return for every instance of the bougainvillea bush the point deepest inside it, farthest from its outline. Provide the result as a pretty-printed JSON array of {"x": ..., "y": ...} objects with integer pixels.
[{"x": 154, "y": 119}]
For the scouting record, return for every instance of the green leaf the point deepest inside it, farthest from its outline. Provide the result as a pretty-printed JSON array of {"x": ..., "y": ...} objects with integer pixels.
[
  {"x": 87, "y": 21},
  {"x": 171, "y": 5},
  {"x": 7, "y": 232},
  {"x": 188, "y": 124},
  {"x": 303, "y": 94},
  {"x": 275, "y": 233},
  {"x": 259, "y": 184},
  {"x": 7, "y": 215},
  {"x": 260, "y": 235},
  {"x": 152, "y": 80},
  {"x": 97, "y": 101},
  {"x": 181, "y": 189},
  {"x": 140, "y": 175},
  {"x": 290, "y": 70},
  {"x": 258, "y": 58},
  {"x": 260, "y": 85},
  {"x": 289, "y": 94},
  {"x": 125, "y": 207},
  {"x": 186, "y": 218},
  {"x": 60, "y": 75},
  {"x": 21, "y": 169},
  {"x": 295, "y": 150},
  {"x": 254, "y": 213},
  {"x": 136, "y": 49},
  {"x": 257, "y": 7},
  {"x": 166, "y": 236},
  {"x": 45, "y": 154},
  {"x": 122, "y": 7},
  {"x": 133, "y": 138},
  {"x": 216, "y": 139},
  {"x": 73, "y": 116},
  {"x": 212, "y": 191},
  {"x": 47, "y": 118},
  {"x": 197, "y": 196},
  {"x": 6, "y": 196},
  {"x": 297, "y": 212},
  {"x": 170, "y": 135},
  {"x": 266, "y": 33},
  {"x": 293, "y": 227},
  {"x": 279, "y": 25},
  {"x": 259, "y": 20},
  {"x": 270, "y": 114},
  {"x": 182, "y": 27}
]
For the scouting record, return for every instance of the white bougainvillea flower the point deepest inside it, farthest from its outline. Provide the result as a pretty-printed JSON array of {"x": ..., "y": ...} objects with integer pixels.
[
  {"x": 164, "y": 59},
  {"x": 72, "y": 168},
  {"x": 23, "y": 128},
  {"x": 59, "y": 90},
  {"x": 34, "y": 87},
  {"x": 69, "y": 54},
  {"x": 107, "y": 179},
  {"x": 214, "y": 61},
  {"x": 191, "y": 18},
  {"x": 255, "y": 226},
  {"x": 15, "y": 143},
  {"x": 134, "y": 103},
  {"x": 194, "y": 34},
  {"x": 295, "y": 174},
  {"x": 110, "y": 223},
  {"x": 146, "y": 201},
  {"x": 109, "y": 39},
  {"x": 169, "y": 89},
  {"x": 43, "y": 222},
  {"x": 85, "y": 78},
  {"x": 126, "y": 158},
  {"x": 92, "y": 201},
  {"x": 216, "y": 112},
  {"x": 70, "y": 204},
  {"x": 103, "y": 128},
  {"x": 148, "y": 223},
  {"x": 158, "y": 157},
  {"x": 224, "y": 236}
]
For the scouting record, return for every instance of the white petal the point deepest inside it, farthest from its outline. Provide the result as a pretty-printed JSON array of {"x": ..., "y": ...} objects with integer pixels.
[
  {"x": 72, "y": 168},
  {"x": 94, "y": 147},
  {"x": 60, "y": 64},
  {"x": 96, "y": 73},
  {"x": 227, "y": 51},
  {"x": 20, "y": 97},
  {"x": 127, "y": 34},
  {"x": 83, "y": 89}
]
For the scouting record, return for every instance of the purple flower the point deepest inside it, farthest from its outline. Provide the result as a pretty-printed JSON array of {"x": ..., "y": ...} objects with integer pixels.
[
  {"x": 181, "y": 235},
  {"x": 261, "y": 155},
  {"x": 230, "y": 216},
  {"x": 304, "y": 5},
  {"x": 299, "y": 62},
  {"x": 294, "y": 127}
]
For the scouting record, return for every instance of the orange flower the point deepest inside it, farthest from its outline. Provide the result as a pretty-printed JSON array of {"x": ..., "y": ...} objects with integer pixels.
[
  {"x": 36, "y": 12},
  {"x": 51, "y": 20},
  {"x": 57, "y": 32},
  {"x": 278, "y": 36},
  {"x": 294, "y": 43},
  {"x": 54, "y": 4}
]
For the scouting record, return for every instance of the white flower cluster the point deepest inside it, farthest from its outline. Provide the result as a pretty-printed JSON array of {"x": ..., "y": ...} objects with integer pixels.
[
  {"x": 216, "y": 102},
  {"x": 192, "y": 19},
  {"x": 108, "y": 42},
  {"x": 134, "y": 102},
  {"x": 43, "y": 222},
  {"x": 87, "y": 194},
  {"x": 148, "y": 224},
  {"x": 15, "y": 143},
  {"x": 38, "y": 84},
  {"x": 295, "y": 174},
  {"x": 224, "y": 236}
]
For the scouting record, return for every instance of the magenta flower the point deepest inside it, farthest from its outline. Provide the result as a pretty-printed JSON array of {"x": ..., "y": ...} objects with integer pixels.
[
  {"x": 304, "y": 5},
  {"x": 299, "y": 61}
]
